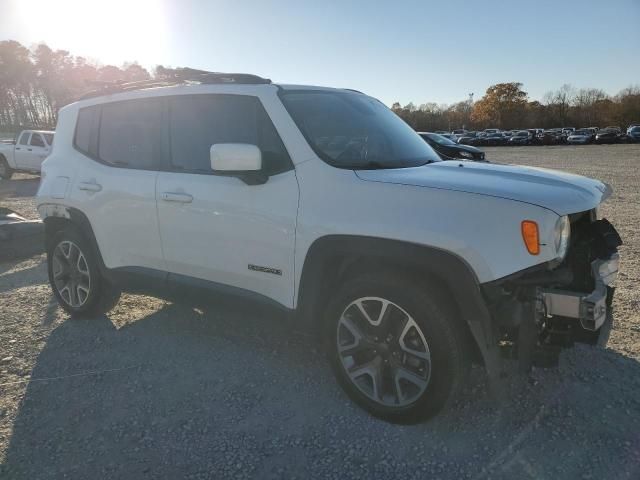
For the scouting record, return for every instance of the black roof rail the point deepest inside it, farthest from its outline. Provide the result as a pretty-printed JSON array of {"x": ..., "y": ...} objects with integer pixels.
[{"x": 174, "y": 76}]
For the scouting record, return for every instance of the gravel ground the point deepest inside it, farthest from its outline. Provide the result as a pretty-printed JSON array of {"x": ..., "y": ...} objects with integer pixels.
[{"x": 159, "y": 390}]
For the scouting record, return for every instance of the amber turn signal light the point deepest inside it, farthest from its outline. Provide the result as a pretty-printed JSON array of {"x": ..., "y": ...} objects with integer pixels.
[{"x": 531, "y": 237}]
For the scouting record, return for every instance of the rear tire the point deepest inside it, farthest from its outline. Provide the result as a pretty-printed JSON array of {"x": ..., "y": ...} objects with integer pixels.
[
  {"x": 6, "y": 172},
  {"x": 395, "y": 346},
  {"x": 75, "y": 276}
]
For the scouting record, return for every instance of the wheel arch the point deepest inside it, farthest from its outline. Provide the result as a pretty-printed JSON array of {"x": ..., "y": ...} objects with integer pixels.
[
  {"x": 333, "y": 258},
  {"x": 59, "y": 217}
]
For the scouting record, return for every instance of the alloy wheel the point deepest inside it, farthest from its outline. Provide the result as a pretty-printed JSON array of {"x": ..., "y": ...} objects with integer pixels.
[
  {"x": 71, "y": 275},
  {"x": 383, "y": 351}
]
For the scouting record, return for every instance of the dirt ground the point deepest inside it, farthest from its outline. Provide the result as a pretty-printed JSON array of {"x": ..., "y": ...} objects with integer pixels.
[{"x": 161, "y": 390}]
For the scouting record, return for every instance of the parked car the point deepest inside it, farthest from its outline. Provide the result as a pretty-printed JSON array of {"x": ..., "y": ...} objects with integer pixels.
[
  {"x": 609, "y": 135},
  {"x": 325, "y": 204},
  {"x": 459, "y": 132},
  {"x": 550, "y": 137},
  {"x": 490, "y": 131},
  {"x": 470, "y": 138},
  {"x": 493, "y": 139},
  {"x": 581, "y": 137},
  {"x": 448, "y": 149},
  {"x": 633, "y": 134},
  {"x": 522, "y": 137},
  {"x": 25, "y": 155}
]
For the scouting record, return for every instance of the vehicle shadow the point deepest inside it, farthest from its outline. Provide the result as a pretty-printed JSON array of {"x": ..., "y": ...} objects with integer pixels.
[{"x": 233, "y": 390}]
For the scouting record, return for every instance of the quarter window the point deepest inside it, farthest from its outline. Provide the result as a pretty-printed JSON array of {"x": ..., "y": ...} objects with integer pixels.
[
  {"x": 199, "y": 121},
  {"x": 86, "y": 139}
]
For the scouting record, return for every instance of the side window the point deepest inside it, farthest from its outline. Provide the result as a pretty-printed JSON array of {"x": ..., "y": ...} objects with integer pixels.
[
  {"x": 131, "y": 134},
  {"x": 24, "y": 138},
  {"x": 199, "y": 121},
  {"x": 86, "y": 137},
  {"x": 36, "y": 140}
]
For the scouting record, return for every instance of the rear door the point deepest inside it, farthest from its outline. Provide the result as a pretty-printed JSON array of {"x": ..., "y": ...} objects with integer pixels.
[
  {"x": 218, "y": 228},
  {"x": 115, "y": 181}
]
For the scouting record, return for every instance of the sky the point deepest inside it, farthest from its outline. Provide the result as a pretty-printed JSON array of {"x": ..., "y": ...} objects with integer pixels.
[{"x": 406, "y": 51}]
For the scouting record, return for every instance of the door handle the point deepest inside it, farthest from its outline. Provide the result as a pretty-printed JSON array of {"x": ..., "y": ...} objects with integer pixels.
[
  {"x": 89, "y": 186},
  {"x": 18, "y": 148},
  {"x": 29, "y": 149},
  {"x": 176, "y": 197}
]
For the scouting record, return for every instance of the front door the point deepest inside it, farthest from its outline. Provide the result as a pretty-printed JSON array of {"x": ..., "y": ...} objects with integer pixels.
[
  {"x": 37, "y": 152},
  {"x": 218, "y": 228},
  {"x": 21, "y": 151}
]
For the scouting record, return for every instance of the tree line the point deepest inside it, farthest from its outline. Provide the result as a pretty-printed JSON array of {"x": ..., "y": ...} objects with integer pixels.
[
  {"x": 35, "y": 83},
  {"x": 507, "y": 106}
]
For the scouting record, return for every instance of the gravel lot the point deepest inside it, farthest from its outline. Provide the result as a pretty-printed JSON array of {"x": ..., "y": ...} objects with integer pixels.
[{"x": 159, "y": 390}]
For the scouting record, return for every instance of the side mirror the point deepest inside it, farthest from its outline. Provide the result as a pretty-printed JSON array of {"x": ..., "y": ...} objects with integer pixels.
[{"x": 240, "y": 160}]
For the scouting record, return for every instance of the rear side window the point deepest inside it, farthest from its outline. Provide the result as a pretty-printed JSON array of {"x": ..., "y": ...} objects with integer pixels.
[
  {"x": 36, "y": 140},
  {"x": 24, "y": 138},
  {"x": 199, "y": 121},
  {"x": 130, "y": 134}
]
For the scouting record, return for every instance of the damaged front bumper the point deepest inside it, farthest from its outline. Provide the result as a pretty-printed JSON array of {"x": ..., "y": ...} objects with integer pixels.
[
  {"x": 589, "y": 309},
  {"x": 538, "y": 312}
]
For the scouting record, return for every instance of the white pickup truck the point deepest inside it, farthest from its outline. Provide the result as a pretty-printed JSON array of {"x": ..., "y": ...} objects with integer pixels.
[{"x": 27, "y": 154}]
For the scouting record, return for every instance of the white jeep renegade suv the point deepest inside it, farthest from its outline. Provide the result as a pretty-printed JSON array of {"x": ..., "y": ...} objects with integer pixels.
[{"x": 324, "y": 203}]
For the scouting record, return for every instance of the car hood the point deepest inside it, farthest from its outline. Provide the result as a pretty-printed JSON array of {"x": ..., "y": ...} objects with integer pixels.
[{"x": 564, "y": 193}]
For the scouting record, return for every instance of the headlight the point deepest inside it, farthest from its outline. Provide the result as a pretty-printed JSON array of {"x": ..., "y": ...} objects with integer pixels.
[
  {"x": 562, "y": 234},
  {"x": 466, "y": 154}
]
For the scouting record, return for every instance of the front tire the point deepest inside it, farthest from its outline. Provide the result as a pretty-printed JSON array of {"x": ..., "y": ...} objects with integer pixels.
[
  {"x": 6, "y": 172},
  {"x": 75, "y": 277},
  {"x": 395, "y": 347}
]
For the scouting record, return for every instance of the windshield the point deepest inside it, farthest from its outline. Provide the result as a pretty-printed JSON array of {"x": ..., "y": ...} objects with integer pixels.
[
  {"x": 522, "y": 134},
  {"x": 635, "y": 129},
  {"x": 440, "y": 139},
  {"x": 351, "y": 130}
]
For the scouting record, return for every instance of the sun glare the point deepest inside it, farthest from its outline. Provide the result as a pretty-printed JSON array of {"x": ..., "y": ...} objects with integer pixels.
[{"x": 108, "y": 32}]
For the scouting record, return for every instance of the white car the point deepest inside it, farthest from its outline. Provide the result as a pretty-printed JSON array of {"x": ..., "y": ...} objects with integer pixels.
[
  {"x": 325, "y": 204},
  {"x": 25, "y": 155}
]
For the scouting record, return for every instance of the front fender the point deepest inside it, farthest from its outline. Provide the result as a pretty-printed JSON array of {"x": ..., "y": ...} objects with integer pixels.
[{"x": 329, "y": 252}]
